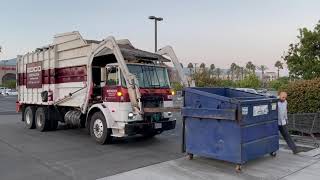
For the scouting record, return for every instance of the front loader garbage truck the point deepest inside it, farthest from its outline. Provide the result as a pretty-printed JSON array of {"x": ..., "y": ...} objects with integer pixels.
[{"x": 109, "y": 87}]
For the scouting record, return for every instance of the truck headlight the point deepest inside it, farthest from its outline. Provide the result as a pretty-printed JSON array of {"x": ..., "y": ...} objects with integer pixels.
[{"x": 130, "y": 115}]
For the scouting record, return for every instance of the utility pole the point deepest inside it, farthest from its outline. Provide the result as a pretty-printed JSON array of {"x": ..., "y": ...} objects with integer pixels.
[{"x": 156, "y": 19}]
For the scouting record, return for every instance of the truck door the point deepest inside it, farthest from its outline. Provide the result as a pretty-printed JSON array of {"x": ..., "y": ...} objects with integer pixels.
[{"x": 111, "y": 85}]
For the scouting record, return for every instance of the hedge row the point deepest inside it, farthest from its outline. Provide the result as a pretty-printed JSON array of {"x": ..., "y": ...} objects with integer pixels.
[{"x": 303, "y": 96}]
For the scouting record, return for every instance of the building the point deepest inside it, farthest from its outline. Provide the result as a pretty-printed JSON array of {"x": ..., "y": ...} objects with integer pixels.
[
  {"x": 270, "y": 76},
  {"x": 7, "y": 70}
]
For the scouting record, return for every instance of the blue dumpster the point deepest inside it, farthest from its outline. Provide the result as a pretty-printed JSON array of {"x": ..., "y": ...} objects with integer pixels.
[{"x": 228, "y": 124}]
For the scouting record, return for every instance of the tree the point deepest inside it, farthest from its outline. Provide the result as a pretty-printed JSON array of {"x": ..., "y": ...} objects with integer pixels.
[
  {"x": 202, "y": 79},
  {"x": 278, "y": 65},
  {"x": 250, "y": 81},
  {"x": 11, "y": 84},
  {"x": 233, "y": 67},
  {"x": 237, "y": 72},
  {"x": 242, "y": 72},
  {"x": 212, "y": 67},
  {"x": 190, "y": 67},
  {"x": 218, "y": 72},
  {"x": 251, "y": 67},
  {"x": 228, "y": 74},
  {"x": 202, "y": 65},
  {"x": 279, "y": 83},
  {"x": 262, "y": 68},
  {"x": 303, "y": 58}
]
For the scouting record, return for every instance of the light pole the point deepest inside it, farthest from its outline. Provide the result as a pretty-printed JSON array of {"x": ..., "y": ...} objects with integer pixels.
[{"x": 156, "y": 19}]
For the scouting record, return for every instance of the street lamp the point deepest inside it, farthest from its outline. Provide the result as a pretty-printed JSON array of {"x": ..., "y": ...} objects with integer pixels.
[{"x": 156, "y": 19}]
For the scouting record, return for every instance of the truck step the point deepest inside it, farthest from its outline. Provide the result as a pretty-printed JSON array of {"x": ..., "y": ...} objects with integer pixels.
[{"x": 118, "y": 135}]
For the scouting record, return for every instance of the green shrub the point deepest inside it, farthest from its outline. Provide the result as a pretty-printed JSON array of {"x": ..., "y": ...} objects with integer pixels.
[
  {"x": 280, "y": 83},
  {"x": 226, "y": 83},
  {"x": 11, "y": 84},
  {"x": 176, "y": 86},
  {"x": 303, "y": 96},
  {"x": 250, "y": 81},
  {"x": 202, "y": 79}
]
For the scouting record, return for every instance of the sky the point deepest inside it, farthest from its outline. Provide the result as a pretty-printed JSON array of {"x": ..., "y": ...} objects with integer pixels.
[{"x": 209, "y": 31}]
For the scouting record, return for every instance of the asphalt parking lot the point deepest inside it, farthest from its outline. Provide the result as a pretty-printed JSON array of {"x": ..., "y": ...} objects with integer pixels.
[{"x": 71, "y": 153}]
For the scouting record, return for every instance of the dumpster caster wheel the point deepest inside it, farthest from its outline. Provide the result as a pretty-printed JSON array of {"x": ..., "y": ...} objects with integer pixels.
[
  {"x": 190, "y": 156},
  {"x": 238, "y": 168},
  {"x": 273, "y": 154}
]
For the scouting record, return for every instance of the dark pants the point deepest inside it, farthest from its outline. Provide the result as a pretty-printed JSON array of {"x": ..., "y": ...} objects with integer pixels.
[{"x": 285, "y": 134}]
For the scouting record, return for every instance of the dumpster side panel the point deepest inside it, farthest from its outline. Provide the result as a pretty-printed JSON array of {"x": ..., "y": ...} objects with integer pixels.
[
  {"x": 218, "y": 91},
  {"x": 233, "y": 93},
  {"x": 260, "y": 147},
  {"x": 202, "y": 99},
  {"x": 258, "y": 131},
  {"x": 256, "y": 111},
  {"x": 197, "y": 101},
  {"x": 218, "y": 139}
]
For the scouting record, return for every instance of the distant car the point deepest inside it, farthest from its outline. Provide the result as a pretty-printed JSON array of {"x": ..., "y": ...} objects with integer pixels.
[
  {"x": 2, "y": 89},
  {"x": 10, "y": 92},
  {"x": 250, "y": 90},
  {"x": 262, "y": 91}
]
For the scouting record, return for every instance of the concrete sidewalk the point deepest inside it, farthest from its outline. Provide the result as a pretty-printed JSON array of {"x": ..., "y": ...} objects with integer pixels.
[{"x": 284, "y": 166}]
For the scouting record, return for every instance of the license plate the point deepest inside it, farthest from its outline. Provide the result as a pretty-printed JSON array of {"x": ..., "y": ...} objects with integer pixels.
[{"x": 157, "y": 125}]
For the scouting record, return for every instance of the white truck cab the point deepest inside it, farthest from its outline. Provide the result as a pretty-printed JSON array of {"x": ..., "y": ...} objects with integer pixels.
[{"x": 112, "y": 93}]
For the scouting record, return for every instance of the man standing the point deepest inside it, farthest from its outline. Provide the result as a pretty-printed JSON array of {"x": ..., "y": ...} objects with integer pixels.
[{"x": 283, "y": 120}]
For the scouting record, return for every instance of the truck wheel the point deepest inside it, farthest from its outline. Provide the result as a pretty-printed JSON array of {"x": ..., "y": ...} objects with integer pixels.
[
  {"x": 41, "y": 119},
  {"x": 29, "y": 117},
  {"x": 99, "y": 130}
]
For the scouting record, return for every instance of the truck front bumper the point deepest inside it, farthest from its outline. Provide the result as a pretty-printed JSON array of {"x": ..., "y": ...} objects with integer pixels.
[{"x": 138, "y": 128}]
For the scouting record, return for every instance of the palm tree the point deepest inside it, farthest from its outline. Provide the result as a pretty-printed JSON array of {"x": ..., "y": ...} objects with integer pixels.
[
  {"x": 278, "y": 65},
  {"x": 238, "y": 72},
  {"x": 190, "y": 67},
  {"x": 212, "y": 67},
  {"x": 262, "y": 68},
  {"x": 218, "y": 72},
  {"x": 228, "y": 74},
  {"x": 233, "y": 67},
  {"x": 242, "y": 72},
  {"x": 202, "y": 65},
  {"x": 251, "y": 67}
]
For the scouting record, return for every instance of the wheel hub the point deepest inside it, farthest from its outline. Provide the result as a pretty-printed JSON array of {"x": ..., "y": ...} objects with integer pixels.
[
  {"x": 40, "y": 119},
  {"x": 98, "y": 128},
  {"x": 28, "y": 117}
]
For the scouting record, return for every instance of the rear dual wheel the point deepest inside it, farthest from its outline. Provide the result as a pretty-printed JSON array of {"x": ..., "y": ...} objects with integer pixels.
[
  {"x": 28, "y": 116},
  {"x": 42, "y": 120},
  {"x": 39, "y": 118}
]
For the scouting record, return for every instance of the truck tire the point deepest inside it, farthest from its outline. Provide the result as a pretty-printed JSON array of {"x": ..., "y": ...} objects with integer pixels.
[
  {"x": 28, "y": 116},
  {"x": 99, "y": 130},
  {"x": 41, "y": 119}
]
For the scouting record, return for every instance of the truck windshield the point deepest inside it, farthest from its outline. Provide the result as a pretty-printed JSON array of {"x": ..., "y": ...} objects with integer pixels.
[{"x": 149, "y": 76}]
